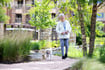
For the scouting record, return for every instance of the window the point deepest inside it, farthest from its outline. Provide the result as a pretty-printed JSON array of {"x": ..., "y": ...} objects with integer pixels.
[
  {"x": 53, "y": 15},
  {"x": 18, "y": 18},
  {"x": 100, "y": 15},
  {"x": 19, "y": 4}
]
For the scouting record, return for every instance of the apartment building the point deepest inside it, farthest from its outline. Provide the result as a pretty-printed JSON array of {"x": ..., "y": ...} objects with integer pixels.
[
  {"x": 18, "y": 11},
  {"x": 19, "y": 8}
]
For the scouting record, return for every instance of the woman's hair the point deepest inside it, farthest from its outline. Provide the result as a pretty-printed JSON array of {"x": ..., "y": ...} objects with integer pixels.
[{"x": 61, "y": 15}]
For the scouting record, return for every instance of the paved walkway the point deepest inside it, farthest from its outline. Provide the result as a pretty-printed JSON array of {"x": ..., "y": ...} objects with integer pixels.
[{"x": 55, "y": 64}]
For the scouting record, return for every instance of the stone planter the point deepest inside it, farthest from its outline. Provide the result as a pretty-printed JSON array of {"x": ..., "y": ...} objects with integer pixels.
[
  {"x": 17, "y": 60},
  {"x": 36, "y": 56}
]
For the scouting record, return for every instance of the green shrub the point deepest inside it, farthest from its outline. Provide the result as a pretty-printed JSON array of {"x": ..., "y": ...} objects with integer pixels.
[
  {"x": 55, "y": 43},
  {"x": 88, "y": 64},
  {"x": 15, "y": 46},
  {"x": 96, "y": 53},
  {"x": 52, "y": 44},
  {"x": 48, "y": 44},
  {"x": 35, "y": 46},
  {"x": 102, "y": 53},
  {"x": 38, "y": 45},
  {"x": 58, "y": 43},
  {"x": 79, "y": 39},
  {"x": 43, "y": 44}
]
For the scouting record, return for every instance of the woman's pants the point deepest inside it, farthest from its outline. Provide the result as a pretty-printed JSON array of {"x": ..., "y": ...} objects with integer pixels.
[{"x": 64, "y": 42}]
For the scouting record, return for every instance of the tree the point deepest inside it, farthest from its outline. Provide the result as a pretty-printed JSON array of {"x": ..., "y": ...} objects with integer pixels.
[
  {"x": 81, "y": 19},
  {"x": 4, "y": 2},
  {"x": 3, "y": 17},
  {"x": 93, "y": 24},
  {"x": 41, "y": 16}
]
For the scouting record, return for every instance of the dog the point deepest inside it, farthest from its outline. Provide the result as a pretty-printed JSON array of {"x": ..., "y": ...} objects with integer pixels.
[
  {"x": 46, "y": 54},
  {"x": 49, "y": 54}
]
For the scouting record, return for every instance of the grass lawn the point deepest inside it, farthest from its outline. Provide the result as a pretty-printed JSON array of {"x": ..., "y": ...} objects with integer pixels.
[
  {"x": 98, "y": 40},
  {"x": 74, "y": 52},
  {"x": 77, "y": 52}
]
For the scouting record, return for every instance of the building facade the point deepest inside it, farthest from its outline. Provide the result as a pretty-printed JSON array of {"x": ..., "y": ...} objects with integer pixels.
[{"x": 18, "y": 11}]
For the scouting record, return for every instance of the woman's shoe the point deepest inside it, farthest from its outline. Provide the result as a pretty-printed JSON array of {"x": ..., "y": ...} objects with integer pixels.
[
  {"x": 66, "y": 56},
  {"x": 63, "y": 57}
]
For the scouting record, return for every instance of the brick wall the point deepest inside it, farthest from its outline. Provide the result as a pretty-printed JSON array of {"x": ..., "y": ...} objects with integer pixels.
[{"x": 45, "y": 34}]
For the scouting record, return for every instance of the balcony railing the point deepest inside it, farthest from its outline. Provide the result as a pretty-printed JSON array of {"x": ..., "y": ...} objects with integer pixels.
[
  {"x": 18, "y": 6},
  {"x": 18, "y": 20}
]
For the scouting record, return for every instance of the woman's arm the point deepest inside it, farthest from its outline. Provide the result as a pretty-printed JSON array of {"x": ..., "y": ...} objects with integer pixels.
[
  {"x": 69, "y": 27},
  {"x": 58, "y": 29}
]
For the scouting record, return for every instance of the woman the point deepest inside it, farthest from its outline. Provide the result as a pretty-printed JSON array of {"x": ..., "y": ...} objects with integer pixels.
[{"x": 63, "y": 29}]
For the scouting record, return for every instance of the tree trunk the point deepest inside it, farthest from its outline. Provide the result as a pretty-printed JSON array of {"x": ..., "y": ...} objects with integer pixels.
[
  {"x": 82, "y": 31},
  {"x": 93, "y": 26}
]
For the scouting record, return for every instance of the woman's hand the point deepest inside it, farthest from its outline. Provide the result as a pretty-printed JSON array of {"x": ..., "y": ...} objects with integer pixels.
[
  {"x": 62, "y": 33},
  {"x": 66, "y": 32}
]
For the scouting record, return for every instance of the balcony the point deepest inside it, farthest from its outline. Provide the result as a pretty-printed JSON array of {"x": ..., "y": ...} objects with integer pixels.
[
  {"x": 18, "y": 20},
  {"x": 19, "y": 6}
]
